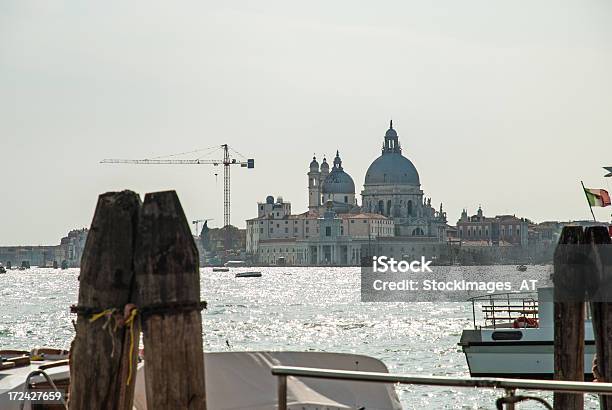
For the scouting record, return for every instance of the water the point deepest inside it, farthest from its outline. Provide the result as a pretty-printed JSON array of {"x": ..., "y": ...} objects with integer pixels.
[{"x": 316, "y": 309}]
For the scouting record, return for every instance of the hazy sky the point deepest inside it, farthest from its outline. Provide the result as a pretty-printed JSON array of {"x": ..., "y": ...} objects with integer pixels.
[{"x": 507, "y": 104}]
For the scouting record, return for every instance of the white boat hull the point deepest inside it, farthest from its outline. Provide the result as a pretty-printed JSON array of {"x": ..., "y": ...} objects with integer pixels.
[{"x": 518, "y": 360}]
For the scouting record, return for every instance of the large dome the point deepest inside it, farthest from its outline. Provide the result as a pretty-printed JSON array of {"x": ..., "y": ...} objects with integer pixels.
[
  {"x": 392, "y": 168},
  {"x": 338, "y": 181}
]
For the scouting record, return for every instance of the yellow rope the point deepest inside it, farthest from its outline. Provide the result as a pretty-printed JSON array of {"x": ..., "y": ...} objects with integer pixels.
[
  {"x": 97, "y": 316},
  {"x": 130, "y": 322}
]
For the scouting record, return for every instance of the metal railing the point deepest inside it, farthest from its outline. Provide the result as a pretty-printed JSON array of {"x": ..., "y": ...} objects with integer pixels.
[
  {"x": 500, "y": 309},
  {"x": 508, "y": 385}
]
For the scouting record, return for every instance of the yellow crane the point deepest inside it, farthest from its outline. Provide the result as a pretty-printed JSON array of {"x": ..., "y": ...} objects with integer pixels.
[{"x": 227, "y": 161}]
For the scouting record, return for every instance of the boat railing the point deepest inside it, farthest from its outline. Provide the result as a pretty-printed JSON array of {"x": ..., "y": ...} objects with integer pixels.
[
  {"x": 504, "y": 309},
  {"x": 508, "y": 386}
]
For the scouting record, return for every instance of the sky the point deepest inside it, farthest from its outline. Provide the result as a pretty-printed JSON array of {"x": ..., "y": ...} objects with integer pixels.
[{"x": 503, "y": 104}]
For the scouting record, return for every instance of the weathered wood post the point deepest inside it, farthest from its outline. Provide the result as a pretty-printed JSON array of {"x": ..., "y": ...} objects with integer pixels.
[
  {"x": 168, "y": 286},
  {"x": 569, "y": 316},
  {"x": 601, "y": 309},
  {"x": 98, "y": 358}
]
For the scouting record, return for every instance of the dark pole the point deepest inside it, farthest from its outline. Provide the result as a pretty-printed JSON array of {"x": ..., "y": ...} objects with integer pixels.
[{"x": 587, "y": 198}]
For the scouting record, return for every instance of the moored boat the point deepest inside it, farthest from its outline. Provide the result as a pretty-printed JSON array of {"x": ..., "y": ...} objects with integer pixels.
[
  {"x": 251, "y": 371},
  {"x": 515, "y": 337},
  {"x": 224, "y": 371},
  {"x": 41, "y": 370},
  {"x": 220, "y": 269},
  {"x": 252, "y": 274}
]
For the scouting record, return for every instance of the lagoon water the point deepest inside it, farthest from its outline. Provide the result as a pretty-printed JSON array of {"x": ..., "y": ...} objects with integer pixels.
[{"x": 316, "y": 309}]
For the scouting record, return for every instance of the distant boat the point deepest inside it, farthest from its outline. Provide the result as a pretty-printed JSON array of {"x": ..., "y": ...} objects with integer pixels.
[
  {"x": 234, "y": 264},
  {"x": 2, "y": 269},
  {"x": 521, "y": 268},
  {"x": 220, "y": 269},
  {"x": 248, "y": 274}
]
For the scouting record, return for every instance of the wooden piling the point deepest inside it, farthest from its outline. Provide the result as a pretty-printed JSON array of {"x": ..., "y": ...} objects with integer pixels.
[
  {"x": 599, "y": 240},
  {"x": 168, "y": 297},
  {"x": 98, "y": 358},
  {"x": 569, "y": 318}
]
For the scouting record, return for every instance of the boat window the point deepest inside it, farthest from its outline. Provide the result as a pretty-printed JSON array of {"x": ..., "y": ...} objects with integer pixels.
[{"x": 507, "y": 335}]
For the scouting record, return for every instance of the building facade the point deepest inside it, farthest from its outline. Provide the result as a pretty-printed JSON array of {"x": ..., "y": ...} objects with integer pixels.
[{"x": 498, "y": 230}]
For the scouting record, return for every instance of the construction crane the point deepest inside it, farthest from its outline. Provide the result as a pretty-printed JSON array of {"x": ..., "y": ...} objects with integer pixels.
[
  {"x": 197, "y": 223},
  {"x": 227, "y": 161}
]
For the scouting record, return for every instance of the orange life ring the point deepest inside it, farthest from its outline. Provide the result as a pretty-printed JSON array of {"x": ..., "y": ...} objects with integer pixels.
[{"x": 525, "y": 322}]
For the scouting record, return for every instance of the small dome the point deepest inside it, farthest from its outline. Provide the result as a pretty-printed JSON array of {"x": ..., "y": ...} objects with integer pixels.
[
  {"x": 391, "y": 133},
  {"x": 392, "y": 168},
  {"x": 314, "y": 165},
  {"x": 324, "y": 164},
  {"x": 338, "y": 181},
  {"x": 269, "y": 199}
]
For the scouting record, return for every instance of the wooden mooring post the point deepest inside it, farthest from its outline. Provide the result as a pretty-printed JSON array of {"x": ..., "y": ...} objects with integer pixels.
[
  {"x": 598, "y": 239},
  {"x": 100, "y": 357},
  {"x": 166, "y": 266},
  {"x": 582, "y": 272},
  {"x": 569, "y": 317}
]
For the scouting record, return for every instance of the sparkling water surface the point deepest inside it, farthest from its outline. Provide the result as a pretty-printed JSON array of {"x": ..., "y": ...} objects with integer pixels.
[{"x": 306, "y": 309}]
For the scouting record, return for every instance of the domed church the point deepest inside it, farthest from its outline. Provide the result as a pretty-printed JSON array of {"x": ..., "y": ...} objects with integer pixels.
[
  {"x": 392, "y": 187},
  {"x": 394, "y": 216}
]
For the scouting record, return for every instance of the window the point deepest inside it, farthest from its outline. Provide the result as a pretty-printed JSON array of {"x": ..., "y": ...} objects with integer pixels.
[
  {"x": 307, "y": 230},
  {"x": 328, "y": 231},
  {"x": 352, "y": 221},
  {"x": 260, "y": 230},
  {"x": 345, "y": 199},
  {"x": 286, "y": 230},
  {"x": 271, "y": 230},
  {"x": 295, "y": 230},
  {"x": 261, "y": 207},
  {"x": 409, "y": 208}
]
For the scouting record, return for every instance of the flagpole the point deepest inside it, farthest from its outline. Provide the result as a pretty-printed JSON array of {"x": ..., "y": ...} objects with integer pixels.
[{"x": 588, "y": 202}]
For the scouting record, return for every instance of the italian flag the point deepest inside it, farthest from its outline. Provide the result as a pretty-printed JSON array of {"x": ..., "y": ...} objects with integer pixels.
[{"x": 597, "y": 197}]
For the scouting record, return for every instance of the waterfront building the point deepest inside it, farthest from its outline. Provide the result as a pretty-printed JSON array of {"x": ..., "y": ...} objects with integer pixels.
[
  {"x": 493, "y": 231},
  {"x": 68, "y": 252}
]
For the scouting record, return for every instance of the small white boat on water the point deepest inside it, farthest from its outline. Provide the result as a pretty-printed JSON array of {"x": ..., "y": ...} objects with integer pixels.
[
  {"x": 234, "y": 264},
  {"x": 513, "y": 336}
]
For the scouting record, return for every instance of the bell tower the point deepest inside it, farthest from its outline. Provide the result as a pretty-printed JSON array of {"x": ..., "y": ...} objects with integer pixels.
[{"x": 314, "y": 185}]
